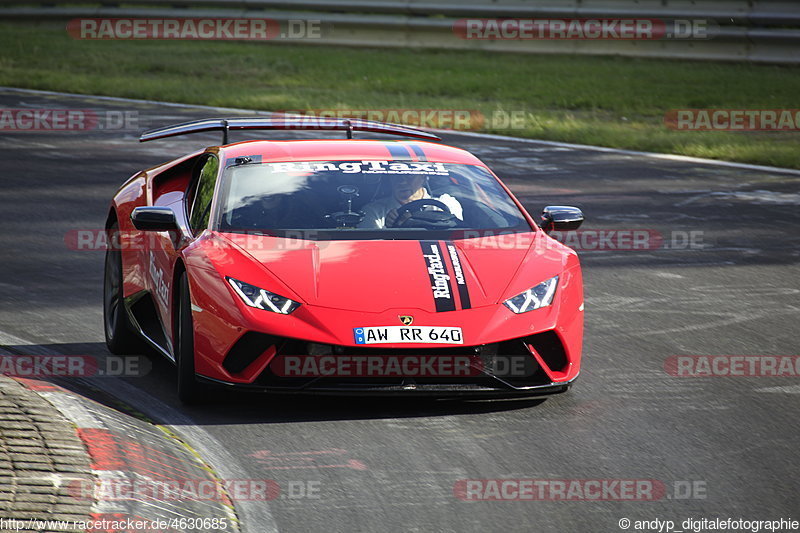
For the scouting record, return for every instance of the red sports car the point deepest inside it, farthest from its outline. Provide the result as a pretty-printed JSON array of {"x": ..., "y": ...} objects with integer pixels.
[{"x": 341, "y": 266}]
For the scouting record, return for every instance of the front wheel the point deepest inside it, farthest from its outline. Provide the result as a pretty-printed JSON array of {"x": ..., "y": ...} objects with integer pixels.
[
  {"x": 120, "y": 336},
  {"x": 189, "y": 390}
]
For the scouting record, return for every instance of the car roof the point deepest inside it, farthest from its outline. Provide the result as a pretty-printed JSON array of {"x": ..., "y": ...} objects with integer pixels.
[{"x": 349, "y": 150}]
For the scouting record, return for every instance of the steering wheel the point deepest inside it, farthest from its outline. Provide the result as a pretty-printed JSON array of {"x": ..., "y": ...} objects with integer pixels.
[{"x": 419, "y": 217}]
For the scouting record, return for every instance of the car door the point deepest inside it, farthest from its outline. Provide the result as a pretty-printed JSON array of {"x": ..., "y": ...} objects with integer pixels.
[{"x": 192, "y": 211}]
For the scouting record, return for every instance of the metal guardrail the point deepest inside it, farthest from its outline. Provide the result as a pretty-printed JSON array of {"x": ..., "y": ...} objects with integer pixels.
[{"x": 749, "y": 30}]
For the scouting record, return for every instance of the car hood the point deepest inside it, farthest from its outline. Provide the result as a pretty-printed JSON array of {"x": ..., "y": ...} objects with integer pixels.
[{"x": 376, "y": 275}]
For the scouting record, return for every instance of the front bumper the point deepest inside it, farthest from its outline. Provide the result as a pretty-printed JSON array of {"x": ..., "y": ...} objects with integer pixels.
[{"x": 401, "y": 387}]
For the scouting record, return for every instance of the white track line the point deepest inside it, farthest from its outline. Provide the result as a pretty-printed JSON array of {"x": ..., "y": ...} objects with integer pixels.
[{"x": 556, "y": 144}]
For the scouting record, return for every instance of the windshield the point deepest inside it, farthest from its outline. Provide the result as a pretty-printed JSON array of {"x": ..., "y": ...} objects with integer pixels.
[{"x": 366, "y": 200}]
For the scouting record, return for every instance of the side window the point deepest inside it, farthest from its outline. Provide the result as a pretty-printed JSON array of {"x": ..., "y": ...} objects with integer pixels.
[{"x": 203, "y": 194}]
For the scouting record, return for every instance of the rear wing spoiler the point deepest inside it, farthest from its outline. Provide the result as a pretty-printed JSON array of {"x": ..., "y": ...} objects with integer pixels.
[{"x": 295, "y": 122}]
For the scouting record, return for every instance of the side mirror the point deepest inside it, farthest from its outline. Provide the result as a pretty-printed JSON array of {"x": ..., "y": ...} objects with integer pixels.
[
  {"x": 561, "y": 218},
  {"x": 154, "y": 219}
]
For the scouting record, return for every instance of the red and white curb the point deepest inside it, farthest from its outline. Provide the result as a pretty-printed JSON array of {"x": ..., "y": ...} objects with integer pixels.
[{"x": 125, "y": 451}]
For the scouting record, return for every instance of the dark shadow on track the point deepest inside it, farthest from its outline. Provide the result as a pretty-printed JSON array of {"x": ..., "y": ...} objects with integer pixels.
[{"x": 226, "y": 406}]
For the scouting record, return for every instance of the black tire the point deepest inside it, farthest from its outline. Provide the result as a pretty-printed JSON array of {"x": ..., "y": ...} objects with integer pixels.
[
  {"x": 189, "y": 390},
  {"x": 121, "y": 338}
]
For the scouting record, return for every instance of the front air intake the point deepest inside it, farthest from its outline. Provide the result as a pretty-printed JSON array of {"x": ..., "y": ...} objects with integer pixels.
[
  {"x": 247, "y": 349},
  {"x": 548, "y": 346}
]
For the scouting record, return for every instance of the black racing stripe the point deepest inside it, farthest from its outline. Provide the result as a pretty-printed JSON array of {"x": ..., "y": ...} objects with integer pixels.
[
  {"x": 440, "y": 277},
  {"x": 458, "y": 274},
  {"x": 398, "y": 152},
  {"x": 417, "y": 149}
]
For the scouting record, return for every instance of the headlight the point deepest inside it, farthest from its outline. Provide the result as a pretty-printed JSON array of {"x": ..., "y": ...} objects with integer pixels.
[
  {"x": 261, "y": 299},
  {"x": 539, "y": 296}
]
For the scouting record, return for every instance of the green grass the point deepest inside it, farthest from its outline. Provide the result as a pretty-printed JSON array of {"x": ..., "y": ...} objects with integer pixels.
[{"x": 607, "y": 101}]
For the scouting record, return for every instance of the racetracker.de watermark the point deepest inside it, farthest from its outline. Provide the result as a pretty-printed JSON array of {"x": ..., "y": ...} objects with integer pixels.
[
  {"x": 704, "y": 366},
  {"x": 66, "y": 120},
  {"x": 583, "y": 29},
  {"x": 203, "y": 29},
  {"x": 733, "y": 119},
  {"x": 578, "y": 490},
  {"x": 74, "y": 366},
  {"x": 595, "y": 240},
  {"x": 379, "y": 366},
  {"x": 452, "y": 119},
  {"x": 165, "y": 490}
]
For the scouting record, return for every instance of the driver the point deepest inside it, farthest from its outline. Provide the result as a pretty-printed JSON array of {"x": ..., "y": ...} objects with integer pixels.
[{"x": 406, "y": 188}]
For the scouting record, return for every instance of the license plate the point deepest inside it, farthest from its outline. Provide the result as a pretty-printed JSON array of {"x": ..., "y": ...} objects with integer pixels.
[{"x": 407, "y": 335}]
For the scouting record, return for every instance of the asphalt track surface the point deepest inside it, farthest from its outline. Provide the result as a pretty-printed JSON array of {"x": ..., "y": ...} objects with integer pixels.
[{"x": 391, "y": 465}]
